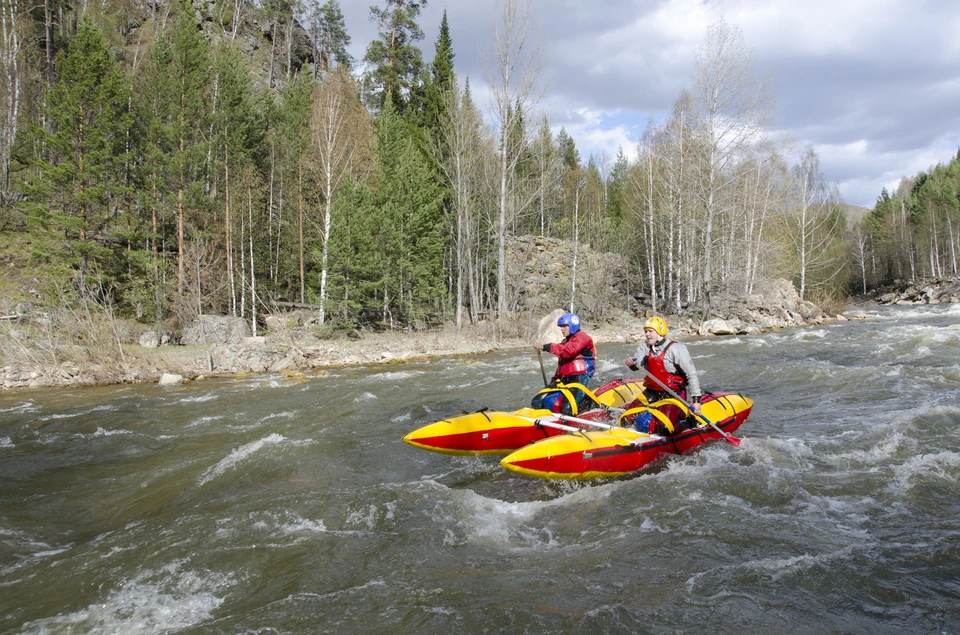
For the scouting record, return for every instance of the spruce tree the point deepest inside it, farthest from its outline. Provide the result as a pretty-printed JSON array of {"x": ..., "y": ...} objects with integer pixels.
[
  {"x": 441, "y": 79},
  {"x": 83, "y": 181},
  {"x": 190, "y": 71},
  {"x": 618, "y": 184}
]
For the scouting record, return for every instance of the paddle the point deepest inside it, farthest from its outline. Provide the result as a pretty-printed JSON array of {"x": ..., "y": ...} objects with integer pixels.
[
  {"x": 729, "y": 439},
  {"x": 596, "y": 424},
  {"x": 542, "y": 371},
  {"x": 546, "y": 330},
  {"x": 603, "y": 426},
  {"x": 560, "y": 426}
]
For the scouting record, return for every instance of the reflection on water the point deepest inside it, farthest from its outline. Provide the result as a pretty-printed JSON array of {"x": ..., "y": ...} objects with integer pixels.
[{"x": 273, "y": 505}]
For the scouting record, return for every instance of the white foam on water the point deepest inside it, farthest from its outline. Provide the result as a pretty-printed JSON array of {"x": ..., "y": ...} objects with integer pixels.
[
  {"x": 340, "y": 592},
  {"x": 367, "y": 396},
  {"x": 919, "y": 470},
  {"x": 237, "y": 456},
  {"x": 502, "y": 525},
  {"x": 210, "y": 396},
  {"x": 803, "y": 335},
  {"x": 51, "y": 552},
  {"x": 877, "y": 454},
  {"x": 774, "y": 451},
  {"x": 473, "y": 382},
  {"x": 155, "y": 601},
  {"x": 721, "y": 342},
  {"x": 846, "y": 515},
  {"x": 287, "y": 414},
  {"x": 395, "y": 375},
  {"x": 7, "y": 442},
  {"x": 287, "y": 523},
  {"x": 63, "y": 415},
  {"x": 647, "y": 525},
  {"x": 365, "y": 517},
  {"x": 202, "y": 420},
  {"x": 109, "y": 433},
  {"x": 401, "y": 417},
  {"x": 603, "y": 365},
  {"x": 23, "y": 408},
  {"x": 498, "y": 524},
  {"x": 772, "y": 568}
]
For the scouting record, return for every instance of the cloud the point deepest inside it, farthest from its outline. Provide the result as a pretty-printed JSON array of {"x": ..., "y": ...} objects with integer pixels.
[{"x": 872, "y": 86}]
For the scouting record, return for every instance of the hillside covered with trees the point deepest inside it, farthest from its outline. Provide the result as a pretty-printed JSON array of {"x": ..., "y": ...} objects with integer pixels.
[
  {"x": 913, "y": 234},
  {"x": 159, "y": 161}
]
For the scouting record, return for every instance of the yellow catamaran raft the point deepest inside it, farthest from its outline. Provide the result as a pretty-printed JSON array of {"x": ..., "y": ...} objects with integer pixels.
[
  {"x": 622, "y": 449},
  {"x": 496, "y": 432}
]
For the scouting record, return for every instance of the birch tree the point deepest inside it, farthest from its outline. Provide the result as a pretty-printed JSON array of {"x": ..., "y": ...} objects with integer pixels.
[
  {"x": 733, "y": 105},
  {"x": 548, "y": 172},
  {"x": 11, "y": 44},
  {"x": 813, "y": 223},
  {"x": 457, "y": 148},
  {"x": 512, "y": 75},
  {"x": 334, "y": 144},
  {"x": 860, "y": 252}
]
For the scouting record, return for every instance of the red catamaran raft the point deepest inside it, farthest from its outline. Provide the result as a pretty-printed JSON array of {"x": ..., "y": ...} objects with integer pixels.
[
  {"x": 619, "y": 451},
  {"x": 585, "y": 434}
]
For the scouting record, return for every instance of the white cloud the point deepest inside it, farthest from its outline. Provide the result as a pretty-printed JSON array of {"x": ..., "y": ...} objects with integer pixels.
[{"x": 872, "y": 86}]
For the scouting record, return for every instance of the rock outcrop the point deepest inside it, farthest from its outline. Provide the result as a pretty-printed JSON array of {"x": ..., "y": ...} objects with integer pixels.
[{"x": 937, "y": 291}]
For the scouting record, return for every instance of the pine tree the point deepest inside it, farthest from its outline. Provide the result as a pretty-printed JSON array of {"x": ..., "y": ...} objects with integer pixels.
[
  {"x": 568, "y": 149},
  {"x": 397, "y": 63},
  {"x": 330, "y": 39}
]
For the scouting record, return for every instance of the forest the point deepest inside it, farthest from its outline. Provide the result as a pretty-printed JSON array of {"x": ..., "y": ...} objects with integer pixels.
[{"x": 162, "y": 161}]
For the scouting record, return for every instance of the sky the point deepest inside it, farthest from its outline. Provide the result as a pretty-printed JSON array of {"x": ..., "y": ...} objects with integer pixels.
[{"x": 873, "y": 86}]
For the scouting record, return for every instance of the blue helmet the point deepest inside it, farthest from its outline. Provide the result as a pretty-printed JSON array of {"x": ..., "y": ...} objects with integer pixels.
[{"x": 571, "y": 320}]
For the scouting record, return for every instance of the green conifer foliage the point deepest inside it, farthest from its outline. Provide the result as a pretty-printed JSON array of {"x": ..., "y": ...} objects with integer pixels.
[
  {"x": 618, "y": 184},
  {"x": 188, "y": 101},
  {"x": 441, "y": 79},
  {"x": 330, "y": 37},
  {"x": 397, "y": 63},
  {"x": 80, "y": 188},
  {"x": 390, "y": 248},
  {"x": 239, "y": 130}
]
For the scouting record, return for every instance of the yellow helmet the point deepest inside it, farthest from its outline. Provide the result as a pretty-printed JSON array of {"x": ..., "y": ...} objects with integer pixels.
[{"x": 657, "y": 324}]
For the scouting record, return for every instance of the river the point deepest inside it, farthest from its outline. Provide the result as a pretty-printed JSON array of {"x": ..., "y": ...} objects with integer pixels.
[{"x": 273, "y": 505}]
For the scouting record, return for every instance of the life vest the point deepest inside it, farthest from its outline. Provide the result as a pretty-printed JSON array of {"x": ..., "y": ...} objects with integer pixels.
[
  {"x": 584, "y": 363},
  {"x": 656, "y": 366},
  {"x": 575, "y": 366}
]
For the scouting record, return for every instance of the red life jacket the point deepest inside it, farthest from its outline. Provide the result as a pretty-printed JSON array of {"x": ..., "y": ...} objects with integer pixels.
[
  {"x": 583, "y": 346},
  {"x": 657, "y": 368}
]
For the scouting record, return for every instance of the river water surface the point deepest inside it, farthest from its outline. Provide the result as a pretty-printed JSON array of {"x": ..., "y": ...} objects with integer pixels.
[{"x": 268, "y": 505}]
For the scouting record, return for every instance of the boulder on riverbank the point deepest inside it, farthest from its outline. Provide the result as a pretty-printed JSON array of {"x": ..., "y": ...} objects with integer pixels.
[{"x": 936, "y": 291}]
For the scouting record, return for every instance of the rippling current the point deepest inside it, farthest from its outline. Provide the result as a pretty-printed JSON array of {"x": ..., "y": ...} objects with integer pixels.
[{"x": 273, "y": 505}]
